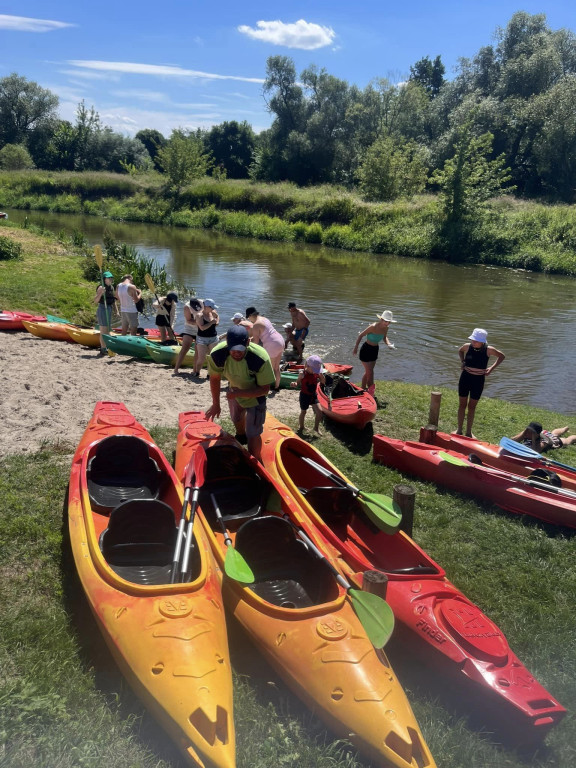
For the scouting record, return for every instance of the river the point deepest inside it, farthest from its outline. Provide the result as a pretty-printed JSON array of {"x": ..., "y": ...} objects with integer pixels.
[{"x": 530, "y": 317}]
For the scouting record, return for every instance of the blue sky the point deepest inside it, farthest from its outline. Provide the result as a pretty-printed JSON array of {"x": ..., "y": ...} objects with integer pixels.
[{"x": 193, "y": 64}]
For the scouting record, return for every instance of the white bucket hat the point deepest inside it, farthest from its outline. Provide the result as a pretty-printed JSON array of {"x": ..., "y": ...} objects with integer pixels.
[
  {"x": 237, "y": 316},
  {"x": 387, "y": 316},
  {"x": 479, "y": 334}
]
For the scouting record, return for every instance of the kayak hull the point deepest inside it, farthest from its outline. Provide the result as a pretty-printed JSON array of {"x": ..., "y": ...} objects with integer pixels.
[
  {"x": 169, "y": 640},
  {"x": 290, "y": 371},
  {"x": 508, "y": 491},
  {"x": 14, "y": 321},
  {"x": 167, "y": 355},
  {"x": 356, "y": 409},
  {"x": 431, "y": 614},
  {"x": 46, "y": 330},
  {"x": 297, "y": 615},
  {"x": 134, "y": 346}
]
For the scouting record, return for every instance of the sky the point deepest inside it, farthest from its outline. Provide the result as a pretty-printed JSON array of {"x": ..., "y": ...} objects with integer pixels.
[{"x": 169, "y": 64}]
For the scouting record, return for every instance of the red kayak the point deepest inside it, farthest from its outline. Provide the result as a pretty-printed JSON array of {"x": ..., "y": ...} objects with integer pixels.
[
  {"x": 342, "y": 401},
  {"x": 14, "y": 321},
  {"x": 496, "y": 457},
  {"x": 444, "y": 630},
  {"x": 512, "y": 492}
]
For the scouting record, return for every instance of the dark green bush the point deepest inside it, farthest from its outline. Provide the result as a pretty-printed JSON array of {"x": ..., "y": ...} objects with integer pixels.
[{"x": 9, "y": 250}]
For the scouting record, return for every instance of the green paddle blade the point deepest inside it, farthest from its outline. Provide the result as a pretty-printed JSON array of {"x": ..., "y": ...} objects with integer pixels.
[
  {"x": 236, "y": 567},
  {"x": 375, "y": 615},
  {"x": 381, "y": 510},
  {"x": 453, "y": 459}
]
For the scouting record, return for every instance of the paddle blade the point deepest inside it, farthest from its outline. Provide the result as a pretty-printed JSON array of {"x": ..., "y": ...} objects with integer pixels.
[
  {"x": 381, "y": 510},
  {"x": 519, "y": 449},
  {"x": 99, "y": 257},
  {"x": 236, "y": 567},
  {"x": 150, "y": 282},
  {"x": 375, "y": 615},
  {"x": 453, "y": 459}
]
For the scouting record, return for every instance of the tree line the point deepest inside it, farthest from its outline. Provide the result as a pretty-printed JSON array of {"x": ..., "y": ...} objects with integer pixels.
[{"x": 505, "y": 121}]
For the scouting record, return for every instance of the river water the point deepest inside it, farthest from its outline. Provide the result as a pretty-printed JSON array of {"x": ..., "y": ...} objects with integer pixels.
[{"x": 530, "y": 317}]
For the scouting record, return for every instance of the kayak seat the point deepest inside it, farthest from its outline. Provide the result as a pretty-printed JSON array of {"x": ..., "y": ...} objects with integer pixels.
[
  {"x": 121, "y": 469},
  {"x": 239, "y": 490},
  {"x": 286, "y": 573},
  {"x": 334, "y": 504},
  {"x": 140, "y": 540}
]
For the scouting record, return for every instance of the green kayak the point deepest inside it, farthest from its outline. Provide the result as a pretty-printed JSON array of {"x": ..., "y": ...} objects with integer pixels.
[
  {"x": 167, "y": 355},
  {"x": 289, "y": 372},
  {"x": 135, "y": 346}
]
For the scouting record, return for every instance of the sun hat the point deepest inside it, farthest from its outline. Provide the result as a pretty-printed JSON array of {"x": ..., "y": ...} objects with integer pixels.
[
  {"x": 479, "y": 334},
  {"x": 107, "y": 274},
  {"x": 287, "y": 325},
  {"x": 314, "y": 363},
  {"x": 251, "y": 311},
  {"x": 210, "y": 303},
  {"x": 237, "y": 316},
  {"x": 387, "y": 316},
  {"x": 237, "y": 338}
]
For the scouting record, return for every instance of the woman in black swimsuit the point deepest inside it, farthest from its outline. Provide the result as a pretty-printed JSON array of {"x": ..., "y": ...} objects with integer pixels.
[{"x": 474, "y": 358}]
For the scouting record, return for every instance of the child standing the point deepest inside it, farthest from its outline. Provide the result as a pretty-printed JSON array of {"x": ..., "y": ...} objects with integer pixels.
[{"x": 308, "y": 380}]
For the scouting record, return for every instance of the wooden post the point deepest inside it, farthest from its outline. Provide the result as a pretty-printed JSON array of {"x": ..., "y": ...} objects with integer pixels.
[
  {"x": 405, "y": 496},
  {"x": 428, "y": 433},
  {"x": 375, "y": 582}
]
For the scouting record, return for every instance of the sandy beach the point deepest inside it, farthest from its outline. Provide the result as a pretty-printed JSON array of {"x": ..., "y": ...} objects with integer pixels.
[{"x": 49, "y": 389}]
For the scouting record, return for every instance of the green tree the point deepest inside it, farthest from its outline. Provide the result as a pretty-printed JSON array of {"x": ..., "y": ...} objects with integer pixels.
[
  {"x": 429, "y": 74},
  {"x": 470, "y": 178},
  {"x": 24, "y": 106},
  {"x": 15, "y": 157},
  {"x": 183, "y": 159},
  {"x": 232, "y": 146},
  {"x": 391, "y": 170},
  {"x": 153, "y": 140}
]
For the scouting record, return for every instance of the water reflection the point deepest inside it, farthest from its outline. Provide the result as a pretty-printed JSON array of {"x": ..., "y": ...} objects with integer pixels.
[{"x": 530, "y": 317}]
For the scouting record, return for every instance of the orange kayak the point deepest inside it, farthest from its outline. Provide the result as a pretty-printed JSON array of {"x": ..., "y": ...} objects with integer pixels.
[
  {"x": 296, "y": 613},
  {"x": 169, "y": 640},
  {"x": 48, "y": 330},
  {"x": 436, "y": 623}
]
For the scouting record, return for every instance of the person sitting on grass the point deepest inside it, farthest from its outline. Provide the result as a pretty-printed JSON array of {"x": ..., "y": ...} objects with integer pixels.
[
  {"x": 308, "y": 380},
  {"x": 542, "y": 440}
]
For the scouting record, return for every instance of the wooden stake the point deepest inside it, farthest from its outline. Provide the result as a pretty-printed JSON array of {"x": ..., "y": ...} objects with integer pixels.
[
  {"x": 405, "y": 496},
  {"x": 375, "y": 582}
]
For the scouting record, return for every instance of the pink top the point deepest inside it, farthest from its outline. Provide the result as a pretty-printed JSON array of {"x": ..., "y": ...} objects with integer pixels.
[{"x": 270, "y": 339}]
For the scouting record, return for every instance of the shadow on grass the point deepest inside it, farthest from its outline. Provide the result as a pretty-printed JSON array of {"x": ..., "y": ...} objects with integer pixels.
[{"x": 358, "y": 441}]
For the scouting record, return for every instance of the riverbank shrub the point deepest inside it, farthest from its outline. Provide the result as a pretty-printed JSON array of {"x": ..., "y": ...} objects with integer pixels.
[
  {"x": 9, "y": 249},
  {"x": 507, "y": 232}
]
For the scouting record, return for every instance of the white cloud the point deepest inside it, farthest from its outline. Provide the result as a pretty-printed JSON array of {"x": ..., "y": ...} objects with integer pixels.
[
  {"x": 156, "y": 70},
  {"x": 301, "y": 34},
  {"x": 87, "y": 75},
  {"x": 25, "y": 24}
]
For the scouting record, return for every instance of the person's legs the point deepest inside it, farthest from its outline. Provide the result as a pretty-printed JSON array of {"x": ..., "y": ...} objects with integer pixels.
[
  {"x": 186, "y": 344},
  {"x": 163, "y": 334},
  {"x": 255, "y": 418},
  {"x": 462, "y": 403},
  {"x": 276, "y": 368},
  {"x": 317, "y": 418},
  {"x": 559, "y": 431},
  {"x": 569, "y": 440},
  {"x": 368, "y": 378},
  {"x": 470, "y": 416},
  {"x": 133, "y": 323},
  {"x": 103, "y": 329},
  {"x": 301, "y": 418},
  {"x": 125, "y": 323},
  {"x": 201, "y": 352}
]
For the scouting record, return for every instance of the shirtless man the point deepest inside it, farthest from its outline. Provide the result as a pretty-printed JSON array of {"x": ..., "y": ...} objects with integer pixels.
[{"x": 300, "y": 323}]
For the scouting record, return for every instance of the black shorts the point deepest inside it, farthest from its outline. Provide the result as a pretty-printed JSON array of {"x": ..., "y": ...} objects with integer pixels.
[
  {"x": 162, "y": 321},
  {"x": 368, "y": 353},
  {"x": 470, "y": 384},
  {"x": 307, "y": 400}
]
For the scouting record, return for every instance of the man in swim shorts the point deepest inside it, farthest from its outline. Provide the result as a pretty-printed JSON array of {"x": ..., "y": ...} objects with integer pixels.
[{"x": 300, "y": 325}]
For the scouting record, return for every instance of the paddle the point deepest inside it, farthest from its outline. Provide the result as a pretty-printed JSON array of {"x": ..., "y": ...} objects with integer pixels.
[
  {"x": 182, "y": 524},
  {"x": 525, "y": 452},
  {"x": 380, "y": 509},
  {"x": 374, "y": 613},
  {"x": 502, "y": 473},
  {"x": 199, "y": 471},
  {"x": 100, "y": 262},
  {"x": 161, "y": 307},
  {"x": 235, "y": 565}
]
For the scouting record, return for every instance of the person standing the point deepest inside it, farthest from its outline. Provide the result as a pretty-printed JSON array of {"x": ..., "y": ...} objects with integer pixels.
[
  {"x": 264, "y": 333},
  {"x": 207, "y": 337},
  {"x": 300, "y": 326},
  {"x": 375, "y": 333},
  {"x": 166, "y": 313},
  {"x": 308, "y": 382},
  {"x": 248, "y": 370},
  {"x": 474, "y": 358},
  {"x": 105, "y": 298},
  {"x": 128, "y": 295},
  {"x": 191, "y": 312}
]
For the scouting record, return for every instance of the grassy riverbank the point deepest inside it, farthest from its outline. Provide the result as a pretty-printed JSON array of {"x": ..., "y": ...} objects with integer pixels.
[
  {"x": 511, "y": 233},
  {"x": 63, "y": 703}
]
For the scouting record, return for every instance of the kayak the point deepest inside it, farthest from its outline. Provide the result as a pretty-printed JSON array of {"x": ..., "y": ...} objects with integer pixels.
[
  {"x": 135, "y": 346},
  {"x": 167, "y": 355},
  {"x": 169, "y": 640},
  {"x": 47, "y": 330},
  {"x": 90, "y": 337},
  {"x": 510, "y": 491},
  {"x": 298, "y": 616},
  {"x": 344, "y": 402},
  {"x": 290, "y": 371},
  {"x": 14, "y": 321},
  {"x": 497, "y": 457},
  {"x": 442, "y": 627}
]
